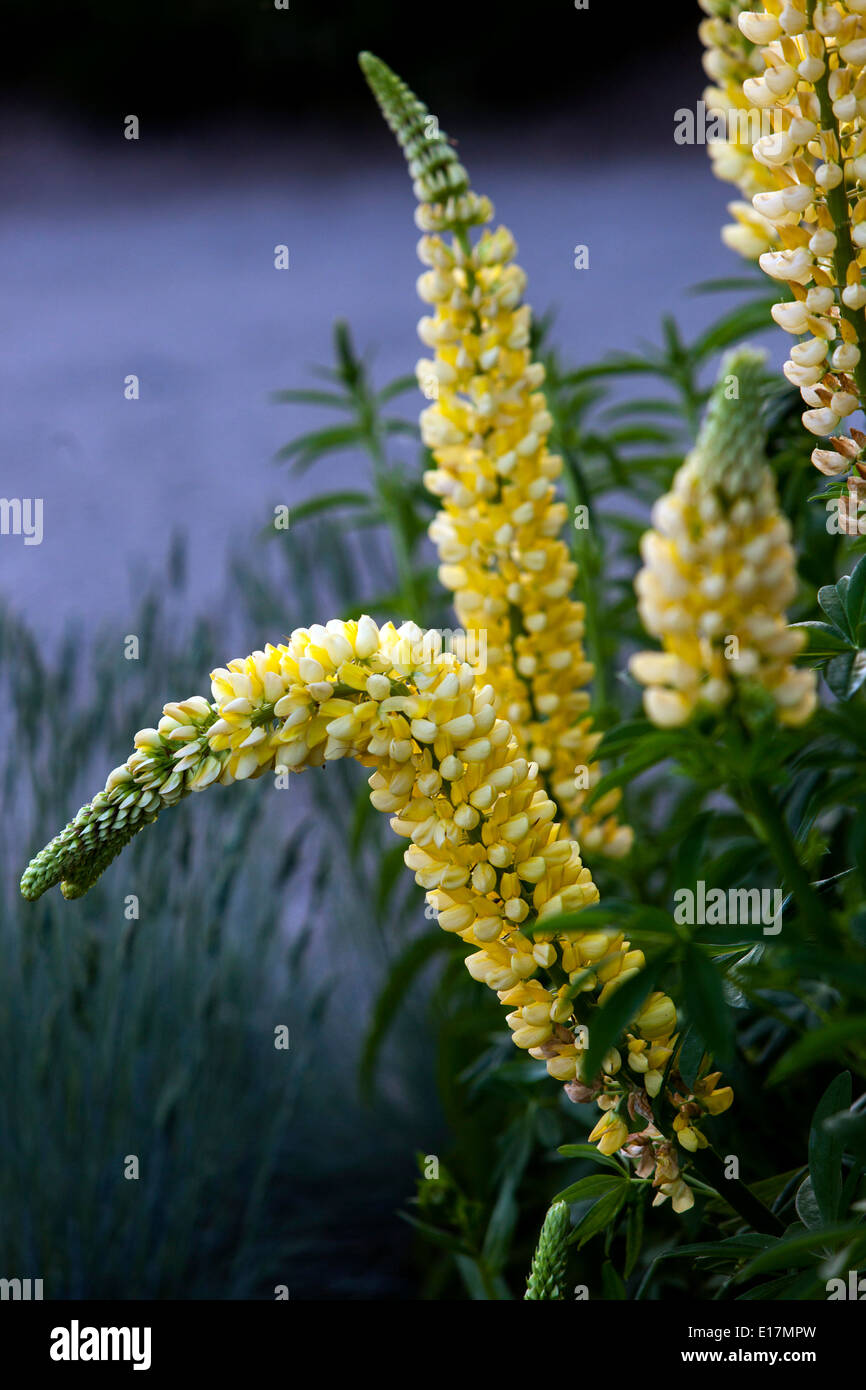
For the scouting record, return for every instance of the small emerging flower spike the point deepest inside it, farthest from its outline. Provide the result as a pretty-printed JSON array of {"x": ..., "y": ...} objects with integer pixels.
[
  {"x": 485, "y": 842},
  {"x": 547, "y": 1275},
  {"x": 719, "y": 570},
  {"x": 811, "y": 92},
  {"x": 498, "y": 530}
]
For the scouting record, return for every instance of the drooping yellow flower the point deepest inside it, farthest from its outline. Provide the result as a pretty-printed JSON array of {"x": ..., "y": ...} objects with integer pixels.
[
  {"x": 812, "y": 84},
  {"x": 498, "y": 531},
  {"x": 730, "y": 59},
  {"x": 681, "y": 1195},
  {"x": 719, "y": 570},
  {"x": 485, "y": 842}
]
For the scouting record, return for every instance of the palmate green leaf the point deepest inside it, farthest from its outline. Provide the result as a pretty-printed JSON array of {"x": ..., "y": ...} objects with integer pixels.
[
  {"x": 651, "y": 750},
  {"x": 601, "y": 1215},
  {"x": 753, "y": 317},
  {"x": 640, "y": 406},
  {"x": 798, "y": 1249},
  {"x": 733, "y": 1248},
  {"x": 831, "y": 600},
  {"x": 728, "y": 283},
  {"x": 503, "y": 1219},
  {"x": 849, "y": 1128},
  {"x": 790, "y": 1286},
  {"x": 690, "y": 1056},
  {"x": 633, "y": 917},
  {"x": 691, "y": 854},
  {"x": 596, "y": 1185},
  {"x": 621, "y": 1007},
  {"x": 806, "y": 1204},
  {"x": 825, "y": 1149},
  {"x": 824, "y": 639},
  {"x": 398, "y": 387},
  {"x": 329, "y": 501},
  {"x": 624, "y": 736},
  {"x": 709, "y": 1014},
  {"x": 814, "y": 963},
  {"x": 307, "y": 448},
  {"x": 612, "y": 1286},
  {"x": 845, "y": 674},
  {"x": 855, "y": 598},
  {"x": 590, "y": 1152},
  {"x": 816, "y": 1044},
  {"x": 640, "y": 434},
  {"x": 332, "y": 399}
]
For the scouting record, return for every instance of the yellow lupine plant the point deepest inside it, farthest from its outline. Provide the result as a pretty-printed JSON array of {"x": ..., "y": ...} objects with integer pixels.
[
  {"x": 730, "y": 60},
  {"x": 485, "y": 843},
  {"x": 478, "y": 776},
  {"x": 719, "y": 570},
  {"x": 498, "y": 530},
  {"x": 813, "y": 84}
]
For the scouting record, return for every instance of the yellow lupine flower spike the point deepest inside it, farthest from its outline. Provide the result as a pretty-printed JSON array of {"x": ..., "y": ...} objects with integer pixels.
[
  {"x": 813, "y": 87},
  {"x": 719, "y": 570},
  {"x": 498, "y": 530},
  {"x": 485, "y": 843},
  {"x": 730, "y": 59}
]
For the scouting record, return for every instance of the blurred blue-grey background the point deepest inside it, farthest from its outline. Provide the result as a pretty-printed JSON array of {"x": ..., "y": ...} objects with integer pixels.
[{"x": 155, "y": 257}]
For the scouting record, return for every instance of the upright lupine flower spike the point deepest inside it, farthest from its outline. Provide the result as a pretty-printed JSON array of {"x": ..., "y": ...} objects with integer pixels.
[
  {"x": 813, "y": 85},
  {"x": 730, "y": 59},
  {"x": 719, "y": 570},
  {"x": 485, "y": 843},
  {"x": 498, "y": 529},
  {"x": 547, "y": 1275}
]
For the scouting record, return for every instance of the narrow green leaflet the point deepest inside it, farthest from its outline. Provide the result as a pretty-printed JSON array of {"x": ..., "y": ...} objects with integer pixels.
[{"x": 825, "y": 1149}]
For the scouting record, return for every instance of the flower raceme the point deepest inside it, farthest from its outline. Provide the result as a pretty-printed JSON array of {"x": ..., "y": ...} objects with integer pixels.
[
  {"x": 730, "y": 60},
  {"x": 497, "y": 532},
  {"x": 485, "y": 843},
  {"x": 814, "y": 82},
  {"x": 719, "y": 571}
]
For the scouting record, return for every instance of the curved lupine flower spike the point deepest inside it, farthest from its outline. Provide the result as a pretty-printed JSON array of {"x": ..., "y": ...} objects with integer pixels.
[
  {"x": 485, "y": 843},
  {"x": 814, "y": 88},
  {"x": 498, "y": 528},
  {"x": 719, "y": 570},
  {"x": 730, "y": 59}
]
